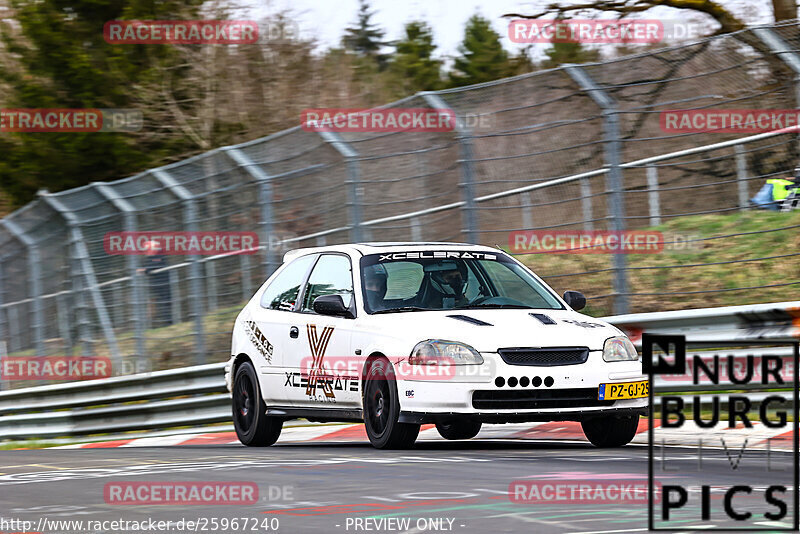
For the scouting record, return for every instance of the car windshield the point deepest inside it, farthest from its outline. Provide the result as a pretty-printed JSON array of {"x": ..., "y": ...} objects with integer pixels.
[{"x": 450, "y": 280}]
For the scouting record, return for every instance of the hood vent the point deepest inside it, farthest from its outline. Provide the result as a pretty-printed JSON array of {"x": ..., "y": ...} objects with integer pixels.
[
  {"x": 544, "y": 319},
  {"x": 471, "y": 320}
]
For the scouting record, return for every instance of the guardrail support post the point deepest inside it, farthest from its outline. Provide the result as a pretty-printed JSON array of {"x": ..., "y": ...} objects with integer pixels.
[
  {"x": 355, "y": 190},
  {"x": 614, "y": 183},
  {"x": 35, "y": 289},
  {"x": 464, "y": 138},
  {"x": 652, "y": 195},
  {"x": 132, "y": 261},
  {"x": 81, "y": 254},
  {"x": 195, "y": 285},
  {"x": 265, "y": 201}
]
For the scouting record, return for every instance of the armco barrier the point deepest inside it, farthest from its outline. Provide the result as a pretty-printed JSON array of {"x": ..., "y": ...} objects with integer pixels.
[{"x": 195, "y": 396}]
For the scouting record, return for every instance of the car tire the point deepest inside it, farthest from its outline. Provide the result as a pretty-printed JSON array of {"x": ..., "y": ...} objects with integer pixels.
[
  {"x": 610, "y": 431},
  {"x": 253, "y": 426},
  {"x": 459, "y": 429},
  {"x": 382, "y": 409}
]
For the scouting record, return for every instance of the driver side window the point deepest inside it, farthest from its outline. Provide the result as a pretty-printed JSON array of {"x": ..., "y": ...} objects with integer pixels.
[
  {"x": 332, "y": 275},
  {"x": 281, "y": 294}
]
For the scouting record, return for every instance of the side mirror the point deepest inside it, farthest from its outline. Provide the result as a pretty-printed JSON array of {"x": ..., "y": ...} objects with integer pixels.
[
  {"x": 575, "y": 299},
  {"x": 332, "y": 305}
]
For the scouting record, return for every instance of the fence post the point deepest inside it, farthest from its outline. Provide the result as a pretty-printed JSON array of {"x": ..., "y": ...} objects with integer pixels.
[
  {"x": 786, "y": 53},
  {"x": 195, "y": 285},
  {"x": 355, "y": 190},
  {"x": 265, "y": 200},
  {"x": 62, "y": 317},
  {"x": 211, "y": 283},
  {"x": 741, "y": 176},
  {"x": 652, "y": 195},
  {"x": 614, "y": 184},
  {"x": 34, "y": 265},
  {"x": 527, "y": 212},
  {"x": 3, "y": 329},
  {"x": 132, "y": 261},
  {"x": 175, "y": 294},
  {"x": 244, "y": 269},
  {"x": 81, "y": 255},
  {"x": 586, "y": 204},
  {"x": 464, "y": 138}
]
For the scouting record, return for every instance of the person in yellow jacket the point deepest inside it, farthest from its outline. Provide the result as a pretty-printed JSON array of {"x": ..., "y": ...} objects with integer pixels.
[{"x": 776, "y": 190}]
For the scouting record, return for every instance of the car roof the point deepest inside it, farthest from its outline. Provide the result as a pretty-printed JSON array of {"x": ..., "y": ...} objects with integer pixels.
[{"x": 378, "y": 247}]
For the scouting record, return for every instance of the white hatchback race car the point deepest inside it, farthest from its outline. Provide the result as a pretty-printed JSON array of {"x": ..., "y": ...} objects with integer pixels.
[{"x": 401, "y": 334}]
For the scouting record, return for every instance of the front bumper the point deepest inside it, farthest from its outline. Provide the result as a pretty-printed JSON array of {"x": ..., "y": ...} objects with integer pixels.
[{"x": 504, "y": 393}]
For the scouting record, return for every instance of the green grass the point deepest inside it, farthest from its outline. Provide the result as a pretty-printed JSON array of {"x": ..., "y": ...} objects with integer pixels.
[{"x": 695, "y": 278}]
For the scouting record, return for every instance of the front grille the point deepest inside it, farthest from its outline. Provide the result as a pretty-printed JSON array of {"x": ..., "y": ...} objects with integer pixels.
[
  {"x": 545, "y": 357},
  {"x": 536, "y": 399}
]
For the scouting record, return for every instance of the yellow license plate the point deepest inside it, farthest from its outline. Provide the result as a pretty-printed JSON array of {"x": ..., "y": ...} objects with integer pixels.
[{"x": 623, "y": 390}]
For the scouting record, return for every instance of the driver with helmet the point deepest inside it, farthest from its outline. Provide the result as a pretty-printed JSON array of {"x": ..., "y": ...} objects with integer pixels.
[
  {"x": 375, "y": 278},
  {"x": 448, "y": 284}
]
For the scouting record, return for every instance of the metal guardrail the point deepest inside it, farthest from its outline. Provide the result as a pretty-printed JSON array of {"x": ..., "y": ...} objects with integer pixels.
[
  {"x": 197, "y": 395},
  {"x": 779, "y": 321}
]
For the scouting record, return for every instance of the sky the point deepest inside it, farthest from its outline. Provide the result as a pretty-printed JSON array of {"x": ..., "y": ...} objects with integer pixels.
[{"x": 326, "y": 20}]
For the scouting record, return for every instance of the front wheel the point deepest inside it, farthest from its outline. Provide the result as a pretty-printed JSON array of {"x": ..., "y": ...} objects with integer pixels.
[
  {"x": 382, "y": 409},
  {"x": 610, "y": 431},
  {"x": 459, "y": 429},
  {"x": 253, "y": 426}
]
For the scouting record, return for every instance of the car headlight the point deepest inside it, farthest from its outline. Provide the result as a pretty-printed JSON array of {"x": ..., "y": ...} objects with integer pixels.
[
  {"x": 619, "y": 349},
  {"x": 438, "y": 352}
]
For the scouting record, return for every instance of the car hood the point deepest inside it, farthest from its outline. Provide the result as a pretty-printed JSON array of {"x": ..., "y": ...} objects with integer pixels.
[{"x": 503, "y": 328}]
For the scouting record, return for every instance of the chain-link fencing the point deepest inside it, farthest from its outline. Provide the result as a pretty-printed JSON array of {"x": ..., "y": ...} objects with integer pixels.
[{"x": 580, "y": 147}]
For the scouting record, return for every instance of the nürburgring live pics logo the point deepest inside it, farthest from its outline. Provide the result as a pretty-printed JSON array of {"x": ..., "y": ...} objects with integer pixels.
[{"x": 760, "y": 490}]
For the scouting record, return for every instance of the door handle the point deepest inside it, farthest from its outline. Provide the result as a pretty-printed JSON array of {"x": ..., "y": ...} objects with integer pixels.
[{"x": 294, "y": 332}]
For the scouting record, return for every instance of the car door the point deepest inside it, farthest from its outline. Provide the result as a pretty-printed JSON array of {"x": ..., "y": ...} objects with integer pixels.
[
  {"x": 267, "y": 326},
  {"x": 323, "y": 365}
]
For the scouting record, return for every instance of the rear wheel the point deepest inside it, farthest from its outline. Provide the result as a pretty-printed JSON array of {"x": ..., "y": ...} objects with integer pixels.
[
  {"x": 610, "y": 431},
  {"x": 382, "y": 409},
  {"x": 459, "y": 429},
  {"x": 253, "y": 427}
]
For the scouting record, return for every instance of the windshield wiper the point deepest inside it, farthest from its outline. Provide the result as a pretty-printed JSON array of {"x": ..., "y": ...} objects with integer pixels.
[{"x": 402, "y": 309}]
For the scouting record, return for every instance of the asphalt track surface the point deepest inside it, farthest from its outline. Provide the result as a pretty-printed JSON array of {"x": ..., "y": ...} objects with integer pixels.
[{"x": 326, "y": 488}]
